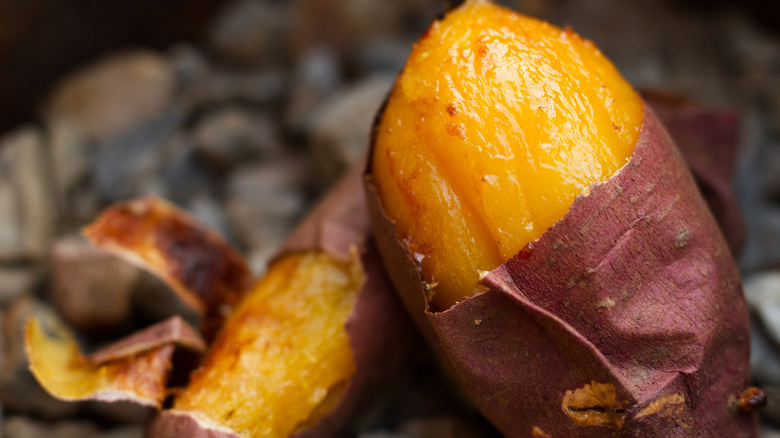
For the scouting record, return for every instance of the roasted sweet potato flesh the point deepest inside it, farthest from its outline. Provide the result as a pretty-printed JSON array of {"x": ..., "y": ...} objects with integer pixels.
[
  {"x": 61, "y": 368},
  {"x": 497, "y": 122},
  {"x": 283, "y": 357}
]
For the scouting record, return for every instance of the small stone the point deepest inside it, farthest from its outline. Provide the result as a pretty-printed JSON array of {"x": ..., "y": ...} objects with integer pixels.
[
  {"x": 340, "y": 127},
  {"x": 230, "y": 136},
  {"x": 19, "y": 391},
  {"x": 253, "y": 87},
  {"x": 27, "y": 206},
  {"x": 127, "y": 164},
  {"x": 316, "y": 77},
  {"x": 762, "y": 292},
  {"x": 764, "y": 357},
  {"x": 442, "y": 427},
  {"x": 16, "y": 281},
  {"x": 383, "y": 55},
  {"x": 342, "y": 23},
  {"x": 22, "y": 427},
  {"x": 767, "y": 431},
  {"x": 68, "y": 147},
  {"x": 115, "y": 94},
  {"x": 248, "y": 31},
  {"x": 188, "y": 63},
  {"x": 265, "y": 201},
  {"x": 89, "y": 287},
  {"x": 210, "y": 212}
]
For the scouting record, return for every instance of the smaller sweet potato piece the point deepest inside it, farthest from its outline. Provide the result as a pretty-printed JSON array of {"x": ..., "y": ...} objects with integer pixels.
[
  {"x": 299, "y": 355},
  {"x": 134, "y": 369}
]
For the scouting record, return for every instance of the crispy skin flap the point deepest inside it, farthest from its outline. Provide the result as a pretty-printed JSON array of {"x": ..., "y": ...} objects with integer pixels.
[
  {"x": 61, "y": 368},
  {"x": 626, "y": 318},
  {"x": 173, "y": 330},
  {"x": 196, "y": 263}
]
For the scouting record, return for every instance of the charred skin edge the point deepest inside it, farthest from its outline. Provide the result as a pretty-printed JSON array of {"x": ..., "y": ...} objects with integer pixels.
[
  {"x": 201, "y": 268},
  {"x": 562, "y": 315},
  {"x": 378, "y": 327},
  {"x": 174, "y": 330}
]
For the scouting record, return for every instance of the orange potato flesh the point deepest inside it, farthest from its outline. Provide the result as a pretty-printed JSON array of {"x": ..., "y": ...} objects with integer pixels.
[
  {"x": 61, "y": 368},
  {"x": 283, "y": 357},
  {"x": 495, "y": 125}
]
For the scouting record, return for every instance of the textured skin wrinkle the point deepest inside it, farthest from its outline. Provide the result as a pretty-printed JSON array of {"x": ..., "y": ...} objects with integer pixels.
[{"x": 676, "y": 327}]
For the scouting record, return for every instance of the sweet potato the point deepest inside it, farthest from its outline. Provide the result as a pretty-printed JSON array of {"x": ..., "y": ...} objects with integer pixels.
[
  {"x": 337, "y": 229},
  {"x": 135, "y": 368},
  {"x": 624, "y": 318},
  {"x": 296, "y": 354}
]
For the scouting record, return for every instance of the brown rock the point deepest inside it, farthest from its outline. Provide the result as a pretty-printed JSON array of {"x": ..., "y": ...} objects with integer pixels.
[
  {"x": 90, "y": 288},
  {"x": 316, "y": 77},
  {"x": 16, "y": 281},
  {"x": 19, "y": 391},
  {"x": 114, "y": 94},
  {"x": 219, "y": 86},
  {"x": 27, "y": 208},
  {"x": 229, "y": 136},
  {"x": 22, "y": 427},
  {"x": 69, "y": 159},
  {"x": 249, "y": 31},
  {"x": 340, "y": 126},
  {"x": 264, "y": 202}
]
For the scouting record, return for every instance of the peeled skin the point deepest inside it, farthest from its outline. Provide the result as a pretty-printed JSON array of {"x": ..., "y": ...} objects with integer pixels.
[
  {"x": 496, "y": 123},
  {"x": 198, "y": 265},
  {"x": 624, "y": 318},
  {"x": 134, "y": 369}
]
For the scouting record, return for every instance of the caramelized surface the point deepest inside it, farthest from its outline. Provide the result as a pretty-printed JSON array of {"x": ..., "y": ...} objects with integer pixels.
[
  {"x": 284, "y": 356},
  {"x": 61, "y": 368},
  {"x": 497, "y": 122}
]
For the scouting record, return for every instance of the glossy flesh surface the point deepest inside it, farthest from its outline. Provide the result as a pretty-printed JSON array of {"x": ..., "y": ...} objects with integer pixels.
[
  {"x": 283, "y": 358},
  {"x": 495, "y": 125}
]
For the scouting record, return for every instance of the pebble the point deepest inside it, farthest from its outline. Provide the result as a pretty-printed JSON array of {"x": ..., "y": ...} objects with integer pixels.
[
  {"x": 248, "y": 32},
  {"x": 316, "y": 77},
  {"x": 115, "y": 94},
  {"x": 69, "y": 151},
  {"x": 89, "y": 287},
  {"x": 341, "y": 126},
  {"x": 22, "y": 427},
  {"x": 127, "y": 164},
  {"x": 232, "y": 135},
  {"x": 219, "y": 86},
  {"x": 27, "y": 206},
  {"x": 18, "y": 280},
  {"x": 264, "y": 203}
]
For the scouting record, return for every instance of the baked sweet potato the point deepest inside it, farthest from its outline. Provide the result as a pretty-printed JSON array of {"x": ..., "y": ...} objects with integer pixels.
[
  {"x": 624, "y": 315},
  {"x": 293, "y": 355},
  {"x": 332, "y": 348}
]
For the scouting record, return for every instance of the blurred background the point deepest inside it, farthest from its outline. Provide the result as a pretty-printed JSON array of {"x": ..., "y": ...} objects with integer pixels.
[{"x": 245, "y": 111}]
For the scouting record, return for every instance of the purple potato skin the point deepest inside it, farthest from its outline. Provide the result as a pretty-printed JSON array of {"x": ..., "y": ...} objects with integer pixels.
[
  {"x": 633, "y": 290},
  {"x": 708, "y": 139},
  {"x": 379, "y": 329}
]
